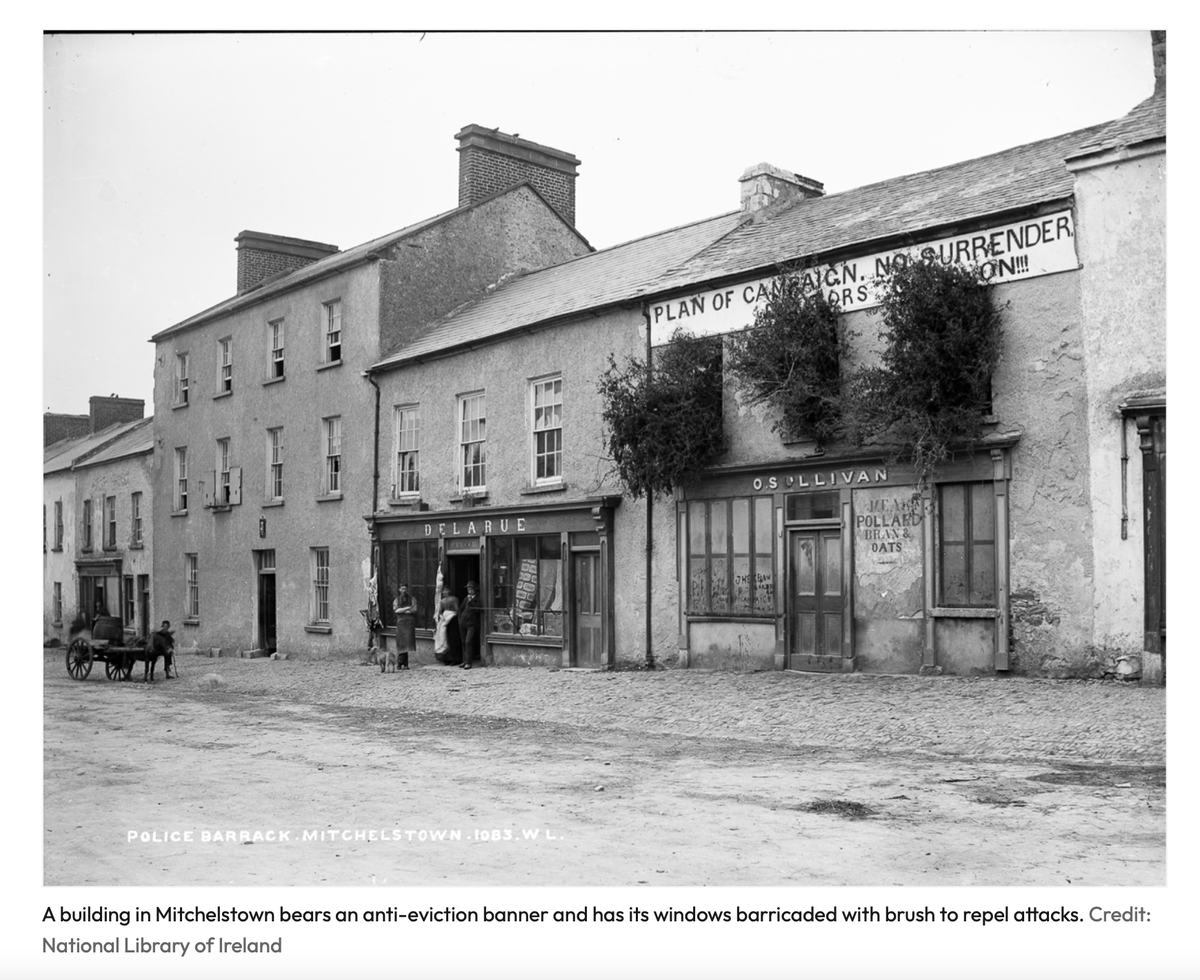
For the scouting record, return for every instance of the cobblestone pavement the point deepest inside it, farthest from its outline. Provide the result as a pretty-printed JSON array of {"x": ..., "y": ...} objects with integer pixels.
[{"x": 975, "y": 718}]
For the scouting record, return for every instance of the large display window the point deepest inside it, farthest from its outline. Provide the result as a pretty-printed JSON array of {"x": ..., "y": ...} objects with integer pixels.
[{"x": 527, "y": 586}]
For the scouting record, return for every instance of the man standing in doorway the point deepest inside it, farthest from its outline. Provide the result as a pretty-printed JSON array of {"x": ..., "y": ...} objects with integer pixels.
[{"x": 468, "y": 619}]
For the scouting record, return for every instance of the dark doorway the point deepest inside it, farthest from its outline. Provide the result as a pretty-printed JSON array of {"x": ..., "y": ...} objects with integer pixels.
[
  {"x": 461, "y": 569},
  {"x": 143, "y": 588},
  {"x": 587, "y": 609},
  {"x": 1152, "y": 430},
  {"x": 266, "y": 600},
  {"x": 816, "y": 599}
]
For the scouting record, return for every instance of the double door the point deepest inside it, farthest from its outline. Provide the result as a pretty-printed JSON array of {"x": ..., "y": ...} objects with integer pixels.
[{"x": 815, "y": 600}]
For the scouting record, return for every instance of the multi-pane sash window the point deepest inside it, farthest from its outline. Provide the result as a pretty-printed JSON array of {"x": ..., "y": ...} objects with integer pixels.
[
  {"x": 181, "y": 379},
  {"x": 181, "y": 479},
  {"x": 58, "y": 525},
  {"x": 472, "y": 442},
  {"x": 333, "y": 331},
  {"x": 275, "y": 464},
  {"x": 130, "y": 602},
  {"x": 547, "y": 430},
  {"x": 87, "y": 525},
  {"x": 222, "y": 495},
  {"x": 192, "y": 575},
  {"x": 57, "y": 608},
  {"x": 320, "y": 578},
  {"x": 276, "y": 348},
  {"x": 110, "y": 522},
  {"x": 967, "y": 544},
  {"x": 333, "y": 454},
  {"x": 226, "y": 347},
  {"x": 135, "y": 514},
  {"x": 407, "y": 478},
  {"x": 730, "y": 569}
]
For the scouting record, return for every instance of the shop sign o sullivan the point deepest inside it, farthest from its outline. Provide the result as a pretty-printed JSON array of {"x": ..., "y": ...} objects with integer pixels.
[
  {"x": 1024, "y": 250},
  {"x": 823, "y": 479}
]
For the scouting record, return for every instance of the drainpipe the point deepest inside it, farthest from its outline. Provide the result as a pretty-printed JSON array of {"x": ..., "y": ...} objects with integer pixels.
[
  {"x": 375, "y": 474},
  {"x": 649, "y": 523}
]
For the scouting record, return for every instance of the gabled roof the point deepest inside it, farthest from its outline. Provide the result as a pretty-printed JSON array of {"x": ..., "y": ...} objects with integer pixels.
[
  {"x": 612, "y": 275},
  {"x": 337, "y": 262},
  {"x": 63, "y": 455},
  {"x": 731, "y": 245},
  {"x": 1144, "y": 123},
  {"x": 135, "y": 441},
  {"x": 911, "y": 205}
]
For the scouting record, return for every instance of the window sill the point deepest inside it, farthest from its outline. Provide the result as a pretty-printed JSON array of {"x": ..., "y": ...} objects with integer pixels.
[
  {"x": 219, "y": 508},
  {"x": 179, "y": 405},
  {"x": 273, "y": 503},
  {"x": 470, "y": 501},
  {"x": 275, "y": 381},
  {"x": 222, "y": 394},
  {"x": 57, "y": 623},
  {"x": 329, "y": 364},
  {"x": 524, "y": 640},
  {"x": 328, "y": 497},
  {"x": 318, "y": 628},
  {"x": 964, "y": 612},
  {"x": 412, "y": 503},
  {"x": 110, "y": 549},
  {"x": 179, "y": 513},
  {"x": 86, "y": 551},
  {"x": 731, "y": 618},
  {"x": 543, "y": 488},
  {"x": 195, "y": 621},
  {"x": 136, "y": 547},
  {"x": 57, "y": 548}
]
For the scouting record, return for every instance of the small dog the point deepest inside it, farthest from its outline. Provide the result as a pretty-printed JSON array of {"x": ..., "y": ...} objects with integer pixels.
[{"x": 394, "y": 660}]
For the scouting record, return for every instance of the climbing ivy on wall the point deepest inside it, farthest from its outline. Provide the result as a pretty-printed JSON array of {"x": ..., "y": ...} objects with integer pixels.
[
  {"x": 663, "y": 418},
  {"x": 790, "y": 358}
]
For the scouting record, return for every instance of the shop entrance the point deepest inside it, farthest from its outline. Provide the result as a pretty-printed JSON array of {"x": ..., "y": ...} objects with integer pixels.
[
  {"x": 461, "y": 569},
  {"x": 587, "y": 608},
  {"x": 815, "y": 600}
]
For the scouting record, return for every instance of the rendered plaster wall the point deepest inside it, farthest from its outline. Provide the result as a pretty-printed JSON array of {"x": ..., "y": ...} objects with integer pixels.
[
  {"x": 1122, "y": 244},
  {"x": 225, "y": 541},
  {"x": 1039, "y": 389},
  {"x": 121, "y": 478},
  {"x": 578, "y": 351},
  {"x": 455, "y": 260},
  {"x": 59, "y": 566}
]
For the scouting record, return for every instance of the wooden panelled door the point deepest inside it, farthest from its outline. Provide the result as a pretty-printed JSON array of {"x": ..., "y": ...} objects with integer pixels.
[
  {"x": 587, "y": 609},
  {"x": 815, "y": 600},
  {"x": 1153, "y": 432}
]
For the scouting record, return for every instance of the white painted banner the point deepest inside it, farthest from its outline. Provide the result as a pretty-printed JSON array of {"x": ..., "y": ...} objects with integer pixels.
[{"x": 1037, "y": 247}]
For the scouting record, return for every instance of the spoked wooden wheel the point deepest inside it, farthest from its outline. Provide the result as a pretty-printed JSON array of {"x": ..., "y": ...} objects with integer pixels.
[
  {"x": 79, "y": 658},
  {"x": 119, "y": 669}
]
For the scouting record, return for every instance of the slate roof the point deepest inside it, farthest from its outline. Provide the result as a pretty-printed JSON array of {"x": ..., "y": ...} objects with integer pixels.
[
  {"x": 911, "y": 205},
  {"x": 609, "y": 276},
  {"x": 729, "y": 245},
  {"x": 1144, "y": 123},
  {"x": 331, "y": 264},
  {"x": 62, "y": 455},
  {"x": 136, "y": 440}
]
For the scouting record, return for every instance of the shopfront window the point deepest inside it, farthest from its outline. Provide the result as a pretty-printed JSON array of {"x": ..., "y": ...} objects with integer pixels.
[
  {"x": 730, "y": 557},
  {"x": 526, "y": 576},
  {"x": 415, "y": 564},
  {"x": 967, "y": 545}
]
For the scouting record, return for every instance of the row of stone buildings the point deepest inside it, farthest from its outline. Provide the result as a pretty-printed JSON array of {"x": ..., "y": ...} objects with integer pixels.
[{"x": 425, "y": 405}]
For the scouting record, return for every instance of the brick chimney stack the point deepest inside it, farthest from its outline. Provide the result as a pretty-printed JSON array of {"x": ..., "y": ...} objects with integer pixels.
[
  {"x": 764, "y": 186},
  {"x": 1158, "y": 49},
  {"x": 491, "y": 161},
  {"x": 113, "y": 409},
  {"x": 262, "y": 257}
]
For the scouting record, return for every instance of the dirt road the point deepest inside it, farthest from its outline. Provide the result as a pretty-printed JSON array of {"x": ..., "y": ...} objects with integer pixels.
[{"x": 293, "y": 773}]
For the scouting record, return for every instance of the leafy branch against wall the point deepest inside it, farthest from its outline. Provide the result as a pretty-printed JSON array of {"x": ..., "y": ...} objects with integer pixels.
[
  {"x": 931, "y": 390},
  {"x": 790, "y": 359},
  {"x": 663, "y": 420}
]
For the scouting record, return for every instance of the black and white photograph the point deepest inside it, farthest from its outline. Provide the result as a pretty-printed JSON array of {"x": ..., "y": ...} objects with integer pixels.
[{"x": 514, "y": 487}]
